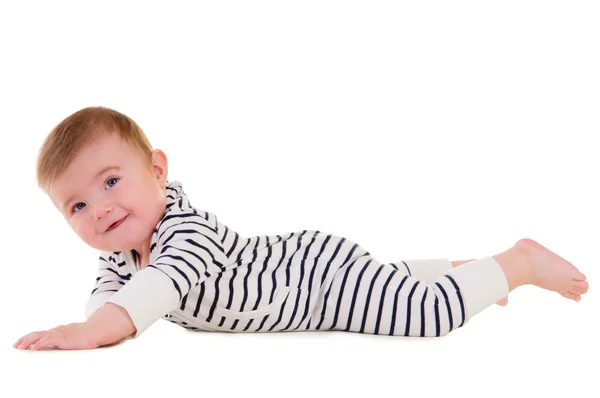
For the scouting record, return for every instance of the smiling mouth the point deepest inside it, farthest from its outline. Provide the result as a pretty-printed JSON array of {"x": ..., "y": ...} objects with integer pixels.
[{"x": 116, "y": 223}]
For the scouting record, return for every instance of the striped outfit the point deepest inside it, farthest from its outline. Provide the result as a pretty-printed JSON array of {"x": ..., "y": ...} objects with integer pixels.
[{"x": 204, "y": 276}]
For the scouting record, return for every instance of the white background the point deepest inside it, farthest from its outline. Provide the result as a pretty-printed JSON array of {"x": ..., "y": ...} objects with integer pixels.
[{"x": 417, "y": 129}]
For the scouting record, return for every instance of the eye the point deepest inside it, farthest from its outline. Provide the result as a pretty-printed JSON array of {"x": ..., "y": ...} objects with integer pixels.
[
  {"x": 76, "y": 208},
  {"x": 112, "y": 179}
]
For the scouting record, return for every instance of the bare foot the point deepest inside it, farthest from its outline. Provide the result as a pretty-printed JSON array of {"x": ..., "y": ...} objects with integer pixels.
[{"x": 552, "y": 272}]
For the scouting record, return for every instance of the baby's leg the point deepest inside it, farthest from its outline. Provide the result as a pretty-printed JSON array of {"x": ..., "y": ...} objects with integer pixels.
[
  {"x": 526, "y": 263},
  {"x": 383, "y": 299}
]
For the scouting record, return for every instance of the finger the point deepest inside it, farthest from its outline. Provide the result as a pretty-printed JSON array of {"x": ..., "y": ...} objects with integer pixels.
[
  {"x": 25, "y": 344},
  {"x": 25, "y": 341},
  {"x": 22, "y": 339},
  {"x": 31, "y": 338},
  {"x": 47, "y": 340},
  {"x": 18, "y": 342}
]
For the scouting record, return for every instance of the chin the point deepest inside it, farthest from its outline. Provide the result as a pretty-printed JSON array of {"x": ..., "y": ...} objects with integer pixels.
[{"x": 108, "y": 248}]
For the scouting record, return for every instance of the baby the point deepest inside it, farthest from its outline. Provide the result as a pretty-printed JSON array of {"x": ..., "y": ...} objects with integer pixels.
[{"x": 160, "y": 257}]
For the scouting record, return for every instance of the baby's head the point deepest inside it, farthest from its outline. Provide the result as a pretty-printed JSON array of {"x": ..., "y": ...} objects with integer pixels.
[{"x": 97, "y": 166}]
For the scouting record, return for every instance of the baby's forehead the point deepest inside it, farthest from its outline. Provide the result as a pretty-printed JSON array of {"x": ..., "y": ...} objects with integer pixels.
[{"x": 100, "y": 152}]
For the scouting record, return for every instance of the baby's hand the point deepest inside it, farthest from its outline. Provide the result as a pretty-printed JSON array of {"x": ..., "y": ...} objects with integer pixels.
[{"x": 74, "y": 336}]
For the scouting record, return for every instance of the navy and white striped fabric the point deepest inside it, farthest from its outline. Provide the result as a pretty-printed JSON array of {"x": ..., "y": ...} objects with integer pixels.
[{"x": 204, "y": 276}]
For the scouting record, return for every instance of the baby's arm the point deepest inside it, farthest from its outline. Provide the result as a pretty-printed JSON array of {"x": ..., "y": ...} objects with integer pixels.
[
  {"x": 189, "y": 251},
  {"x": 110, "y": 324},
  {"x": 108, "y": 282},
  {"x": 106, "y": 323}
]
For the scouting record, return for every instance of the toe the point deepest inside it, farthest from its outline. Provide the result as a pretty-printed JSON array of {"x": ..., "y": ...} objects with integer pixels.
[
  {"x": 572, "y": 296},
  {"x": 579, "y": 276},
  {"x": 502, "y": 302},
  {"x": 580, "y": 287}
]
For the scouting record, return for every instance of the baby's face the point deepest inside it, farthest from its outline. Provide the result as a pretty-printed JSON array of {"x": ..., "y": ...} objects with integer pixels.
[{"x": 106, "y": 182}]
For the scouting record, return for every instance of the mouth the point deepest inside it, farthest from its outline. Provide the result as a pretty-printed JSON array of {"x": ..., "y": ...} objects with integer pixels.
[{"x": 116, "y": 223}]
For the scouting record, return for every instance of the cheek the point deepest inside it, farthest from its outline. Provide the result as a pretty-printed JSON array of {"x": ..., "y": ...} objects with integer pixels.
[
  {"x": 82, "y": 229},
  {"x": 128, "y": 197}
]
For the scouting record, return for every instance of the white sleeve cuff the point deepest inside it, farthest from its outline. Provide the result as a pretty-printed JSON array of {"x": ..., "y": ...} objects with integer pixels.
[
  {"x": 96, "y": 301},
  {"x": 481, "y": 283},
  {"x": 147, "y": 297}
]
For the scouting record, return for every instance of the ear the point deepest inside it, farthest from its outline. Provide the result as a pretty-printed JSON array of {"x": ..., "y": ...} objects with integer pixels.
[{"x": 160, "y": 166}]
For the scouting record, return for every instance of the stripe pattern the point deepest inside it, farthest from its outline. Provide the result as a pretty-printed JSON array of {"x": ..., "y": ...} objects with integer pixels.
[{"x": 304, "y": 280}]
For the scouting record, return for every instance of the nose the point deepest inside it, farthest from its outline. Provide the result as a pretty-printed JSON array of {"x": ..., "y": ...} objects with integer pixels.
[{"x": 101, "y": 211}]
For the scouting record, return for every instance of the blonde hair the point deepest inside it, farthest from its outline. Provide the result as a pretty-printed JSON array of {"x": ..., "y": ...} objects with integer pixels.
[{"x": 80, "y": 129}]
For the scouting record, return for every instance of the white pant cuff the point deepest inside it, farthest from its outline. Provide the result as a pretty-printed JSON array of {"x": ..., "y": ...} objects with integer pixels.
[{"x": 481, "y": 283}]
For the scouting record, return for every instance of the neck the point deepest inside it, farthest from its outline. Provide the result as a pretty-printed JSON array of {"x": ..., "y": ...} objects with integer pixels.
[{"x": 143, "y": 257}]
